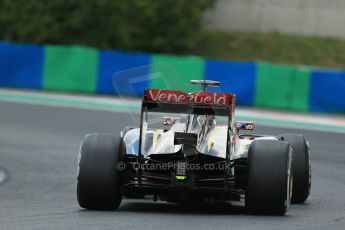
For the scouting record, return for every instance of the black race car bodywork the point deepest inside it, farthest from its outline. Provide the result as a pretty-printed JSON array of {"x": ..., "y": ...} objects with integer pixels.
[{"x": 194, "y": 153}]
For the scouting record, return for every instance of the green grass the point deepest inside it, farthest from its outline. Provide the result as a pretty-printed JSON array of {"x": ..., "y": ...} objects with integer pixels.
[{"x": 273, "y": 47}]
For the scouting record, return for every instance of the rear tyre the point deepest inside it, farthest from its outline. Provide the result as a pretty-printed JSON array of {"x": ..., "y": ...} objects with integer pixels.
[
  {"x": 268, "y": 180},
  {"x": 301, "y": 167},
  {"x": 98, "y": 181}
]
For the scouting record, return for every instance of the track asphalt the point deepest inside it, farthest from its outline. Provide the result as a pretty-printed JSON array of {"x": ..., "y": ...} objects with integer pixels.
[{"x": 38, "y": 158}]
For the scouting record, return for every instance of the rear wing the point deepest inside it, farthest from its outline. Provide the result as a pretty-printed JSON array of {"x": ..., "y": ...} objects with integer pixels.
[{"x": 172, "y": 101}]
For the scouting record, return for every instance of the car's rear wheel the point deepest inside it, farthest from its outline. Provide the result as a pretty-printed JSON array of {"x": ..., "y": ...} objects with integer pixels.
[
  {"x": 269, "y": 181},
  {"x": 98, "y": 181},
  {"x": 300, "y": 165}
]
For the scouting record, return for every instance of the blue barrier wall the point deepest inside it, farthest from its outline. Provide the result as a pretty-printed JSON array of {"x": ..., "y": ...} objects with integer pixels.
[
  {"x": 235, "y": 77},
  {"x": 81, "y": 69},
  {"x": 327, "y": 91},
  {"x": 21, "y": 66},
  {"x": 121, "y": 66}
]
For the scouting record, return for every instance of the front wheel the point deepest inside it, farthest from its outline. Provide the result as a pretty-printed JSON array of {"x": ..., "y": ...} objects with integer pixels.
[
  {"x": 269, "y": 178},
  {"x": 98, "y": 181}
]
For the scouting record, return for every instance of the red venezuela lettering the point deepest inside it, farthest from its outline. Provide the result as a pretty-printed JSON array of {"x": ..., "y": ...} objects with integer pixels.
[
  {"x": 166, "y": 96},
  {"x": 208, "y": 98},
  {"x": 171, "y": 96}
]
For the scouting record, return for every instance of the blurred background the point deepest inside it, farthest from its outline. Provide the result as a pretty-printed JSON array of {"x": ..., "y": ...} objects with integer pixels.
[{"x": 278, "y": 54}]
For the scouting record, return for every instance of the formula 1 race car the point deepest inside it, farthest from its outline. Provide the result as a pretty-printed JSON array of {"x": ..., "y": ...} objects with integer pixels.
[{"x": 188, "y": 149}]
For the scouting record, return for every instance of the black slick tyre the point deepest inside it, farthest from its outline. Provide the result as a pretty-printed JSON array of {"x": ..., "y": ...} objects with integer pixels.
[
  {"x": 98, "y": 181},
  {"x": 300, "y": 165},
  {"x": 269, "y": 181}
]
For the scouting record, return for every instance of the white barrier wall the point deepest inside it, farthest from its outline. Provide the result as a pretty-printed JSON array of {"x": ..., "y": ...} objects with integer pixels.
[{"x": 308, "y": 17}]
